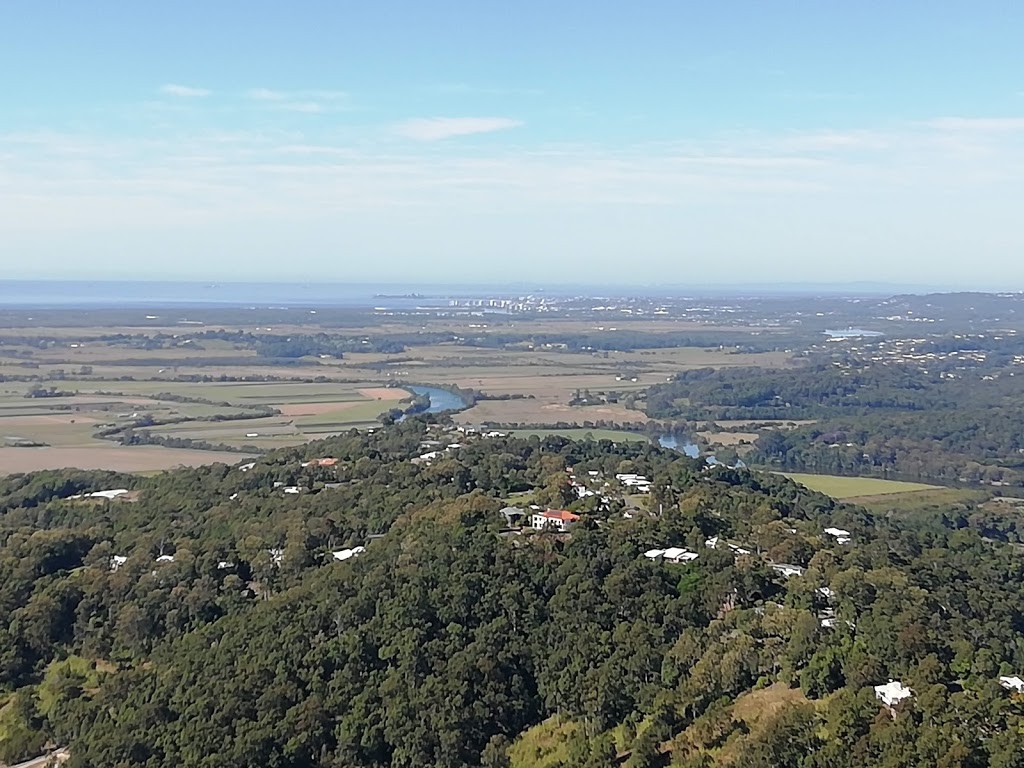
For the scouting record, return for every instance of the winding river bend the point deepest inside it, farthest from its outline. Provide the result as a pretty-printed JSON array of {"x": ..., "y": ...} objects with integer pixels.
[{"x": 441, "y": 400}]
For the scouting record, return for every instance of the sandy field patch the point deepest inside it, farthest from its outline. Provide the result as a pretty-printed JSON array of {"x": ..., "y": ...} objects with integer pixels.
[
  {"x": 117, "y": 458},
  {"x": 384, "y": 393},
  {"x": 728, "y": 438}
]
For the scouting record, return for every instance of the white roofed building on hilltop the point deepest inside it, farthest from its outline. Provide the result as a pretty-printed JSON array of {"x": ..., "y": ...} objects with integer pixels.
[
  {"x": 1012, "y": 683},
  {"x": 841, "y": 536},
  {"x": 347, "y": 554},
  {"x": 892, "y": 693},
  {"x": 787, "y": 570},
  {"x": 108, "y": 495},
  {"x": 556, "y": 519},
  {"x": 679, "y": 555}
]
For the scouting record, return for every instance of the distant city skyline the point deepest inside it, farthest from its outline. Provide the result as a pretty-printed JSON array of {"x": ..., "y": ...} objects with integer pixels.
[{"x": 552, "y": 143}]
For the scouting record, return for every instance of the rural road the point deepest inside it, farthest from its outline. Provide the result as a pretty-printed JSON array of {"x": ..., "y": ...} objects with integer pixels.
[{"x": 42, "y": 762}]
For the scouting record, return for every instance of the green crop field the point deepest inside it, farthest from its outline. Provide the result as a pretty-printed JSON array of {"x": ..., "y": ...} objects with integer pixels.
[{"x": 854, "y": 487}]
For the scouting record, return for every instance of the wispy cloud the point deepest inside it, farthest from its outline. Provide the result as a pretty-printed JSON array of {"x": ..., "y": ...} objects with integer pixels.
[
  {"x": 899, "y": 196},
  {"x": 184, "y": 91},
  {"x": 438, "y": 128},
  {"x": 308, "y": 101}
]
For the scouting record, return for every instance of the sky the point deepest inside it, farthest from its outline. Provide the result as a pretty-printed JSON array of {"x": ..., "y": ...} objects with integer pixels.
[{"x": 598, "y": 143}]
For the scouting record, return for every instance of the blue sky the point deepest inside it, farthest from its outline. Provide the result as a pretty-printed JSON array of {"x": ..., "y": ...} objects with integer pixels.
[{"x": 676, "y": 142}]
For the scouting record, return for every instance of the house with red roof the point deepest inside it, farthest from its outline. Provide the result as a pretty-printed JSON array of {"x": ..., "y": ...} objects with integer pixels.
[{"x": 556, "y": 519}]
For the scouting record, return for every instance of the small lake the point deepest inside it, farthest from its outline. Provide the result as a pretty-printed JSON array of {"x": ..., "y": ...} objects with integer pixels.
[
  {"x": 441, "y": 400},
  {"x": 853, "y": 333}
]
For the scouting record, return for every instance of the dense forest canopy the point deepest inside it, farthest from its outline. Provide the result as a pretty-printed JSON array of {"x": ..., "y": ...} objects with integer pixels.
[
  {"x": 205, "y": 621},
  {"x": 949, "y": 421}
]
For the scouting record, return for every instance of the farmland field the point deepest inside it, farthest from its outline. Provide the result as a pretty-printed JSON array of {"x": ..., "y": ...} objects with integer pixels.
[
  {"x": 57, "y": 432},
  {"x": 853, "y": 487},
  {"x": 173, "y": 381},
  {"x": 147, "y": 458}
]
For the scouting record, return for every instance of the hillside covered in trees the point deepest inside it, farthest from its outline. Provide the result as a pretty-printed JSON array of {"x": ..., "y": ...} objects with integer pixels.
[
  {"x": 210, "y": 617},
  {"x": 947, "y": 423}
]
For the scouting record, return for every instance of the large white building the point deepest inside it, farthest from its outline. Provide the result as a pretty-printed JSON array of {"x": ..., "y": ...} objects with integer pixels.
[
  {"x": 892, "y": 693},
  {"x": 557, "y": 519}
]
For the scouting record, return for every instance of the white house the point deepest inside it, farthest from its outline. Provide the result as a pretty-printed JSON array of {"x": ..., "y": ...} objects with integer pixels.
[
  {"x": 165, "y": 559},
  {"x": 1012, "y": 683},
  {"x": 558, "y": 519},
  {"x": 109, "y": 495},
  {"x": 825, "y": 592},
  {"x": 116, "y": 561},
  {"x": 654, "y": 554},
  {"x": 426, "y": 458},
  {"x": 787, "y": 570},
  {"x": 679, "y": 555},
  {"x": 892, "y": 693},
  {"x": 841, "y": 536},
  {"x": 346, "y": 554},
  {"x": 632, "y": 480}
]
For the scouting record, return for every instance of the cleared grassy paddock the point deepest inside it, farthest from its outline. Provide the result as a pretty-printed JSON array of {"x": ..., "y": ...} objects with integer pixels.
[
  {"x": 854, "y": 487},
  {"x": 119, "y": 458}
]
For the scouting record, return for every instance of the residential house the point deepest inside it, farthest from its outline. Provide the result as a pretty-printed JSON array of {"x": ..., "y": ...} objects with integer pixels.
[
  {"x": 558, "y": 519},
  {"x": 346, "y": 554},
  {"x": 116, "y": 561},
  {"x": 892, "y": 693},
  {"x": 679, "y": 555},
  {"x": 326, "y": 462},
  {"x": 109, "y": 495},
  {"x": 841, "y": 536},
  {"x": 513, "y": 515},
  {"x": 787, "y": 570},
  {"x": 1012, "y": 683}
]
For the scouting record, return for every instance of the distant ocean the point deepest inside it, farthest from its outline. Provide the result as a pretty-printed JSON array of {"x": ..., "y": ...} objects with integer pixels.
[
  {"x": 56, "y": 294},
  {"x": 67, "y": 294}
]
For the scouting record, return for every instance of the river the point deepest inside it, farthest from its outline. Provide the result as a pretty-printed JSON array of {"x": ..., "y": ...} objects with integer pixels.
[
  {"x": 690, "y": 449},
  {"x": 441, "y": 400}
]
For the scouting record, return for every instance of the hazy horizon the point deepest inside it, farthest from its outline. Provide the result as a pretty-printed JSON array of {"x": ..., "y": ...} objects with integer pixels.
[{"x": 664, "y": 143}]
